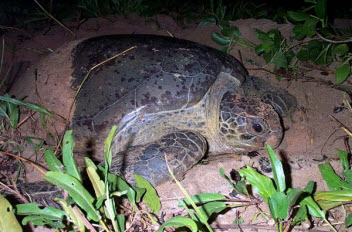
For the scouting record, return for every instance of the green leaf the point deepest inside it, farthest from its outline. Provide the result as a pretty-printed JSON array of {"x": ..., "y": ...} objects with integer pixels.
[
  {"x": 340, "y": 195},
  {"x": 280, "y": 60},
  {"x": 14, "y": 115},
  {"x": 42, "y": 119},
  {"x": 121, "y": 221},
  {"x": 313, "y": 207},
  {"x": 231, "y": 32},
  {"x": 219, "y": 39},
  {"x": 179, "y": 221},
  {"x": 203, "y": 198},
  {"x": 310, "y": 187},
  {"x": 303, "y": 55},
  {"x": 343, "y": 155},
  {"x": 98, "y": 184},
  {"x": 76, "y": 190},
  {"x": 278, "y": 171},
  {"x": 342, "y": 72},
  {"x": 207, "y": 21},
  {"x": 278, "y": 205},
  {"x": 260, "y": 183},
  {"x": 340, "y": 49},
  {"x": 67, "y": 156},
  {"x": 107, "y": 148},
  {"x": 32, "y": 208},
  {"x": 240, "y": 186},
  {"x": 151, "y": 198},
  {"x": 320, "y": 9},
  {"x": 292, "y": 196},
  {"x": 52, "y": 161},
  {"x": 262, "y": 36},
  {"x": 332, "y": 180},
  {"x": 309, "y": 26},
  {"x": 297, "y": 16},
  {"x": 267, "y": 46},
  {"x": 42, "y": 221},
  {"x": 119, "y": 184},
  {"x": 348, "y": 220},
  {"x": 8, "y": 221},
  {"x": 348, "y": 176},
  {"x": 34, "y": 107},
  {"x": 301, "y": 216},
  {"x": 298, "y": 32},
  {"x": 76, "y": 219},
  {"x": 212, "y": 207},
  {"x": 139, "y": 193}
]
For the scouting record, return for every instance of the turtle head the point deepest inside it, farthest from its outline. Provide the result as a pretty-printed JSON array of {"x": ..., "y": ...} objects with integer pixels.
[{"x": 248, "y": 124}]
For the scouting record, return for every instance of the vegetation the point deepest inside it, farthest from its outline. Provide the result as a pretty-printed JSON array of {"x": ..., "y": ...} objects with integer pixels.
[
  {"x": 314, "y": 40},
  {"x": 82, "y": 209}
]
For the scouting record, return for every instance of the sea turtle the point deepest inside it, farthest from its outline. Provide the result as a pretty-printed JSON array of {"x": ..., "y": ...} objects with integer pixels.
[{"x": 173, "y": 101}]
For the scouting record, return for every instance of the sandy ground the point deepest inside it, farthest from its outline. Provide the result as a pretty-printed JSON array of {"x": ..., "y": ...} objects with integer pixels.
[{"x": 311, "y": 133}]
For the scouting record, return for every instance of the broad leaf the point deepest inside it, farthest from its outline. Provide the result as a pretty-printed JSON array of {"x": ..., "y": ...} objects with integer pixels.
[
  {"x": 151, "y": 197},
  {"x": 280, "y": 60},
  {"x": 262, "y": 36},
  {"x": 297, "y": 16},
  {"x": 52, "y": 161},
  {"x": 231, "y": 32},
  {"x": 309, "y": 26},
  {"x": 301, "y": 216},
  {"x": 320, "y": 9},
  {"x": 260, "y": 183},
  {"x": 348, "y": 220},
  {"x": 313, "y": 207},
  {"x": 278, "y": 171},
  {"x": 340, "y": 49},
  {"x": 212, "y": 207},
  {"x": 8, "y": 221},
  {"x": 292, "y": 196},
  {"x": 67, "y": 156},
  {"x": 341, "y": 195},
  {"x": 219, "y": 39},
  {"x": 278, "y": 205},
  {"x": 332, "y": 180},
  {"x": 179, "y": 221},
  {"x": 76, "y": 219},
  {"x": 342, "y": 72},
  {"x": 76, "y": 190},
  {"x": 98, "y": 184}
]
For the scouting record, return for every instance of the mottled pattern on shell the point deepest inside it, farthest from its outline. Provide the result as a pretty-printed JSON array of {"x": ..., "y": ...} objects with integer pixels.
[{"x": 160, "y": 74}]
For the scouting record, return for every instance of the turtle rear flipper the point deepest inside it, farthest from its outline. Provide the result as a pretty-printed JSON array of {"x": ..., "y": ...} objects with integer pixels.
[
  {"x": 180, "y": 150},
  {"x": 283, "y": 102}
]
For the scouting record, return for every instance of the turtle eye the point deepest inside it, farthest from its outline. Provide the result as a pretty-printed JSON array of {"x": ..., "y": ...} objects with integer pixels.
[{"x": 257, "y": 128}]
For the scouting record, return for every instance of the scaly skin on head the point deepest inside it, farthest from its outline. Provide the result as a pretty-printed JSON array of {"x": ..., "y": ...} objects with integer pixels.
[{"x": 248, "y": 124}]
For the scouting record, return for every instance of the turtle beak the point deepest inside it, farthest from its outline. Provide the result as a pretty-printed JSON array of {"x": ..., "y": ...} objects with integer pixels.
[{"x": 274, "y": 138}]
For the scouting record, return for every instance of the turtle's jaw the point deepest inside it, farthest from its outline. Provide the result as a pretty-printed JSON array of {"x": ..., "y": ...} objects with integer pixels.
[{"x": 273, "y": 139}]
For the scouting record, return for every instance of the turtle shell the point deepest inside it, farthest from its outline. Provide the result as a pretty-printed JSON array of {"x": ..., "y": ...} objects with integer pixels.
[{"x": 159, "y": 74}]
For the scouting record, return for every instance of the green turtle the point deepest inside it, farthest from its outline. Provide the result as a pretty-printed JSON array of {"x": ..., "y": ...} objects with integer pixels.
[{"x": 173, "y": 101}]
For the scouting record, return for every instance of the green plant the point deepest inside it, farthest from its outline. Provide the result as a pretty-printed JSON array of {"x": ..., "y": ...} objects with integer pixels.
[
  {"x": 323, "y": 49},
  {"x": 340, "y": 189},
  {"x": 81, "y": 208},
  {"x": 282, "y": 200}
]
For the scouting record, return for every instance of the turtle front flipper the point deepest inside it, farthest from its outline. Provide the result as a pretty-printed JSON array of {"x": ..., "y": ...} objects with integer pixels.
[
  {"x": 283, "y": 102},
  {"x": 180, "y": 150}
]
